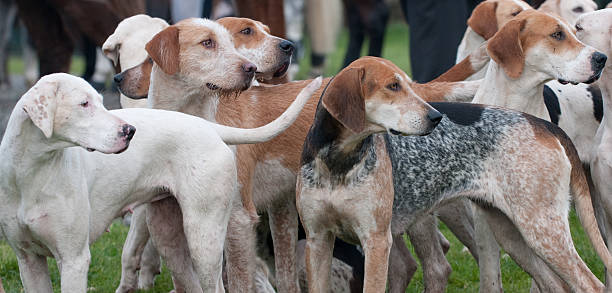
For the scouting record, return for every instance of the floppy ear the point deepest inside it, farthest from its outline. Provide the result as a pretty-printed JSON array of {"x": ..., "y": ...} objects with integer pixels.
[
  {"x": 343, "y": 99},
  {"x": 164, "y": 49},
  {"x": 40, "y": 103},
  {"x": 505, "y": 48},
  {"x": 483, "y": 20},
  {"x": 110, "y": 49}
]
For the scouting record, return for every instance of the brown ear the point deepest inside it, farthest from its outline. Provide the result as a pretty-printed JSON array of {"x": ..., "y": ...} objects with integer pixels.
[
  {"x": 505, "y": 48},
  {"x": 343, "y": 99},
  {"x": 164, "y": 49},
  {"x": 483, "y": 20}
]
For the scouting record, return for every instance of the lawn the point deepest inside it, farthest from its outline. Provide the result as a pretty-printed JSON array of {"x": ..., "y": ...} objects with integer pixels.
[{"x": 105, "y": 269}]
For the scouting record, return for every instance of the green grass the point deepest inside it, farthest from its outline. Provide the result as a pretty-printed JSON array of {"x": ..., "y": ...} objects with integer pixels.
[{"x": 105, "y": 269}]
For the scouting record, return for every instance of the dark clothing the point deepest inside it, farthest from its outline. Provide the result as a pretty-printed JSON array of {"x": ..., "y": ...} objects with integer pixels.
[{"x": 436, "y": 29}]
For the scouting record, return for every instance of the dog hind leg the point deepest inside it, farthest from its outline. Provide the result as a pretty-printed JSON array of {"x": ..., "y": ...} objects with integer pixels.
[
  {"x": 513, "y": 243},
  {"x": 150, "y": 266},
  {"x": 402, "y": 266},
  {"x": 284, "y": 227},
  {"x": 164, "y": 221},
  {"x": 132, "y": 250},
  {"x": 426, "y": 242},
  {"x": 34, "y": 273}
]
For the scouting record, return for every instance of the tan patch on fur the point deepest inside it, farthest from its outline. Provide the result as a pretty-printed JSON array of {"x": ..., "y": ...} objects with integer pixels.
[
  {"x": 350, "y": 110},
  {"x": 506, "y": 49},
  {"x": 483, "y": 20},
  {"x": 383, "y": 176},
  {"x": 164, "y": 49},
  {"x": 433, "y": 91},
  {"x": 236, "y": 25},
  {"x": 460, "y": 71}
]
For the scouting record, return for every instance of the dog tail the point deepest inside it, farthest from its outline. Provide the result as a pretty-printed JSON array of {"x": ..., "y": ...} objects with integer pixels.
[
  {"x": 584, "y": 206},
  {"x": 232, "y": 135}
]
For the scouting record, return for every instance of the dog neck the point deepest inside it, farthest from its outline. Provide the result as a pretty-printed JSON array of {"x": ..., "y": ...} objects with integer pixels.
[
  {"x": 605, "y": 85},
  {"x": 524, "y": 93},
  {"x": 27, "y": 145},
  {"x": 338, "y": 149},
  {"x": 170, "y": 92}
]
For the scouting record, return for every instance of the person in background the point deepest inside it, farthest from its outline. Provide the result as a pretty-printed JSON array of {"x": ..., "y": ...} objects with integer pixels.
[
  {"x": 323, "y": 18},
  {"x": 436, "y": 29}
]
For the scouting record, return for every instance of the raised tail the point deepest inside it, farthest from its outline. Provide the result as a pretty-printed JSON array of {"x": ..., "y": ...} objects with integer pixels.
[{"x": 233, "y": 135}]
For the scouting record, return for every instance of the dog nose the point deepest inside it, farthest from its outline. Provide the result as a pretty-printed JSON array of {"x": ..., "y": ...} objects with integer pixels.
[
  {"x": 434, "y": 116},
  {"x": 118, "y": 77},
  {"x": 128, "y": 131},
  {"x": 249, "y": 68},
  {"x": 598, "y": 61},
  {"x": 287, "y": 46}
]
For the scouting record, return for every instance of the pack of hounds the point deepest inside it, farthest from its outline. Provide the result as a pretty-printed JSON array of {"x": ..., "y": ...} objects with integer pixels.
[{"x": 498, "y": 148}]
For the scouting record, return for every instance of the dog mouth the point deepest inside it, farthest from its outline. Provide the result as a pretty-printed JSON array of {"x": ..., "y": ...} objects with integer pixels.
[
  {"x": 591, "y": 79},
  {"x": 395, "y": 132},
  {"x": 127, "y": 144},
  {"x": 282, "y": 69},
  {"x": 212, "y": 86}
]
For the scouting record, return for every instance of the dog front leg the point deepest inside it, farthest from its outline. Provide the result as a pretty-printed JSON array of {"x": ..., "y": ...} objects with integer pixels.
[
  {"x": 319, "y": 254},
  {"x": 165, "y": 225},
  {"x": 34, "y": 273},
  {"x": 135, "y": 242},
  {"x": 488, "y": 255},
  {"x": 436, "y": 269},
  {"x": 73, "y": 268},
  {"x": 376, "y": 247},
  {"x": 284, "y": 228},
  {"x": 402, "y": 266}
]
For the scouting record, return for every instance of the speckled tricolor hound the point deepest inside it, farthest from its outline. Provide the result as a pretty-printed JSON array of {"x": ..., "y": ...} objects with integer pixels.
[{"x": 351, "y": 180}]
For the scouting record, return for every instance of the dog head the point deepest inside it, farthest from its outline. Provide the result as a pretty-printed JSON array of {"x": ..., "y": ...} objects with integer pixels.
[
  {"x": 595, "y": 29},
  {"x": 373, "y": 95},
  {"x": 200, "y": 53},
  {"x": 269, "y": 54},
  {"x": 252, "y": 39},
  {"x": 66, "y": 108},
  {"x": 569, "y": 10},
  {"x": 490, "y": 15},
  {"x": 126, "y": 46},
  {"x": 546, "y": 45}
]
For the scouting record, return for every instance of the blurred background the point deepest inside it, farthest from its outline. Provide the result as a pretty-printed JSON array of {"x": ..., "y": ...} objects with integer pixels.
[{"x": 39, "y": 37}]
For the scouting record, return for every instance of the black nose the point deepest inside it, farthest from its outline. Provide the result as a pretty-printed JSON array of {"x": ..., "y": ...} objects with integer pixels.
[
  {"x": 287, "y": 46},
  {"x": 434, "y": 116},
  {"x": 118, "y": 77},
  {"x": 598, "y": 61},
  {"x": 128, "y": 131},
  {"x": 249, "y": 68}
]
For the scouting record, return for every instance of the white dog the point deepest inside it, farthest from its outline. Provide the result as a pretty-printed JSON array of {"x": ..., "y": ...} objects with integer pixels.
[
  {"x": 126, "y": 47},
  {"x": 57, "y": 198},
  {"x": 594, "y": 29}
]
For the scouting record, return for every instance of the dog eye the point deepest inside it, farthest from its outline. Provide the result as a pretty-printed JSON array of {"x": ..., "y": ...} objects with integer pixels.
[
  {"x": 578, "y": 27},
  {"x": 209, "y": 44},
  {"x": 246, "y": 31},
  {"x": 516, "y": 13},
  {"x": 84, "y": 104},
  {"x": 578, "y": 9},
  {"x": 559, "y": 36},
  {"x": 394, "y": 86}
]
